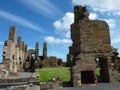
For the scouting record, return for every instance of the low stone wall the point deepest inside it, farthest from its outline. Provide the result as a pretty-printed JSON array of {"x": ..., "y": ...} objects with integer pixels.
[
  {"x": 24, "y": 87},
  {"x": 3, "y": 71},
  {"x": 17, "y": 80},
  {"x": 52, "y": 84}
]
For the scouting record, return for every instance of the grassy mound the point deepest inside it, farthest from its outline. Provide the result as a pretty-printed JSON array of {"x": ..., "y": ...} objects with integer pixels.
[{"x": 49, "y": 73}]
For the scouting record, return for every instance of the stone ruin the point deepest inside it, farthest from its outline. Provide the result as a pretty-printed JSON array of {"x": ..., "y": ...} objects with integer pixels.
[
  {"x": 91, "y": 48},
  {"x": 19, "y": 64},
  {"x": 17, "y": 57},
  {"x": 53, "y": 84}
]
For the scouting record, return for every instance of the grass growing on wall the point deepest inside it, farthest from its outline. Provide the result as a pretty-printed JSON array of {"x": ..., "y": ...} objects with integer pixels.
[{"x": 49, "y": 73}]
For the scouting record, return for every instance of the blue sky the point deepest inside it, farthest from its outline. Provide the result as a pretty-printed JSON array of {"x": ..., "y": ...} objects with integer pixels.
[{"x": 49, "y": 21}]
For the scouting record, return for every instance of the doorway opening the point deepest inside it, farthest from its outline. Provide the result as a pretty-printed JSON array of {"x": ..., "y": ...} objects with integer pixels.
[
  {"x": 102, "y": 69},
  {"x": 87, "y": 77}
]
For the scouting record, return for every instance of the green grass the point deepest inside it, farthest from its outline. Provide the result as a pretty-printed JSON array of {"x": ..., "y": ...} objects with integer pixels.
[
  {"x": 63, "y": 72},
  {"x": 98, "y": 71},
  {"x": 49, "y": 73}
]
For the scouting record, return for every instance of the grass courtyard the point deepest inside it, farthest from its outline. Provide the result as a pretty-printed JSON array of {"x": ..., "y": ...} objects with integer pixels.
[
  {"x": 63, "y": 72},
  {"x": 49, "y": 73}
]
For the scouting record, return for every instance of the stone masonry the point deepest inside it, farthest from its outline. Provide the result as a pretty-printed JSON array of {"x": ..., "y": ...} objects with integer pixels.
[
  {"x": 91, "y": 43},
  {"x": 14, "y": 54},
  {"x": 17, "y": 57}
]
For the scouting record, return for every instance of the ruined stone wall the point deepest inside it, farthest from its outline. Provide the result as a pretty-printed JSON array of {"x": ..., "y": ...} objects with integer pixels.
[
  {"x": 44, "y": 49},
  {"x": 17, "y": 58},
  {"x": 24, "y": 87},
  {"x": 14, "y": 54},
  {"x": 91, "y": 41},
  {"x": 37, "y": 50},
  {"x": 90, "y": 36},
  {"x": 9, "y": 55},
  {"x": 55, "y": 83},
  {"x": 12, "y": 34},
  {"x": 3, "y": 71},
  {"x": 51, "y": 61}
]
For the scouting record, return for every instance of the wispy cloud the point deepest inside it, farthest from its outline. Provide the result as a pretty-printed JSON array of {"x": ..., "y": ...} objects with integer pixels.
[
  {"x": 29, "y": 47},
  {"x": 101, "y": 5},
  {"x": 53, "y": 40},
  {"x": 1, "y": 43},
  {"x": 115, "y": 41},
  {"x": 20, "y": 20},
  {"x": 44, "y": 7},
  {"x": 111, "y": 22}
]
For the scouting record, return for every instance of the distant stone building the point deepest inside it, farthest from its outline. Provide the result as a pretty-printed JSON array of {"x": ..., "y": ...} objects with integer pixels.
[
  {"x": 17, "y": 57},
  {"x": 91, "y": 46}
]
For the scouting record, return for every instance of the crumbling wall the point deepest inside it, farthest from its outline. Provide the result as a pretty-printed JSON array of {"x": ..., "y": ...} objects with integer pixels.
[
  {"x": 91, "y": 41},
  {"x": 17, "y": 57},
  {"x": 55, "y": 83},
  {"x": 24, "y": 87},
  {"x": 51, "y": 61},
  {"x": 3, "y": 71},
  {"x": 14, "y": 54}
]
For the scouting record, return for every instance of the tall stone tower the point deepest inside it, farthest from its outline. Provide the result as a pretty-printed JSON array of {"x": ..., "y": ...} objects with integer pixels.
[
  {"x": 37, "y": 49},
  {"x": 44, "y": 49},
  {"x": 12, "y": 34},
  {"x": 91, "y": 42},
  {"x": 19, "y": 42},
  {"x": 10, "y": 51}
]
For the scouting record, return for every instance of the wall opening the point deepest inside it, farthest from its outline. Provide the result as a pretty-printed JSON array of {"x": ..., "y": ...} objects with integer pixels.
[
  {"x": 98, "y": 68},
  {"x": 87, "y": 77},
  {"x": 102, "y": 69}
]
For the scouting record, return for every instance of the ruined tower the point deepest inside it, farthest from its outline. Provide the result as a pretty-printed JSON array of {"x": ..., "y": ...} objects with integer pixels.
[
  {"x": 44, "y": 49},
  {"x": 14, "y": 55},
  {"x": 10, "y": 50},
  {"x": 25, "y": 50},
  {"x": 19, "y": 42},
  {"x": 37, "y": 49},
  {"x": 12, "y": 34},
  {"x": 91, "y": 42}
]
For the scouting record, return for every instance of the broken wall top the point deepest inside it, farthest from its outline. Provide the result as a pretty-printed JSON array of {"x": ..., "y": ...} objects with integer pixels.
[
  {"x": 80, "y": 13},
  {"x": 12, "y": 34},
  {"x": 89, "y": 35}
]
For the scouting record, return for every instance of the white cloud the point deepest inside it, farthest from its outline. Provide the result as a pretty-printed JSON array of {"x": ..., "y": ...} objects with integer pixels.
[
  {"x": 117, "y": 13},
  {"x": 100, "y": 5},
  {"x": 57, "y": 54},
  {"x": 115, "y": 40},
  {"x": 111, "y": 22},
  {"x": 1, "y": 43},
  {"x": 42, "y": 7},
  {"x": 20, "y": 21},
  {"x": 63, "y": 25},
  {"x": 53, "y": 40},
  {"x": 119, "y": 52},
  {"x": 93, "y": 16},
  {"x": 68, "y": 34},
  {"x": 29, "y": 47}
]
